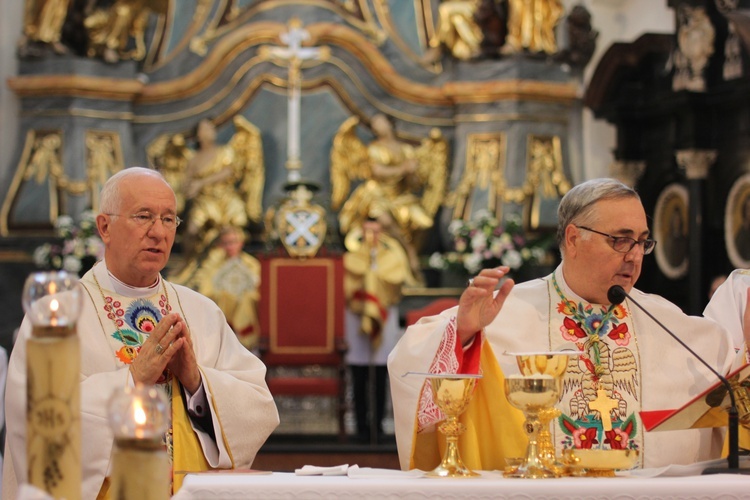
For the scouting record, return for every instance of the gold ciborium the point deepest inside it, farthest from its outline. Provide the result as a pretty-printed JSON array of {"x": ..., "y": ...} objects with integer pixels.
[
  {"x": 535, "y": 393},
  {"x": 452, "y": 393}
]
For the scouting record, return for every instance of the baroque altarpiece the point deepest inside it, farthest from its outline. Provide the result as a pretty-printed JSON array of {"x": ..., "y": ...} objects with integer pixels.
[{"x": 487, "y": 92}]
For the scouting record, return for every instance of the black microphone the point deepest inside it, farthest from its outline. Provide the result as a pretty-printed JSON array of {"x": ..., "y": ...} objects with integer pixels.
[{"x": 616, "y": 294}]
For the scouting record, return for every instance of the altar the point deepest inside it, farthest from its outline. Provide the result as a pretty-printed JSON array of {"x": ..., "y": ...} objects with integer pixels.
[{"x": 384, "y": 483}]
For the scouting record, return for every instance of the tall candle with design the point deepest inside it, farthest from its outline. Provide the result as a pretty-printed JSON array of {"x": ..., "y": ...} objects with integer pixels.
[
  {"x": 139, "y": 417},
  {"x": 52, "y": 302}
]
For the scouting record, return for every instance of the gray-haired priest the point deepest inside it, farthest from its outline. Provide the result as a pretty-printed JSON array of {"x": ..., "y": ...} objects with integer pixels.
[
  {"x": 626, "y": 363},
  {"x": 136, "y": 327}
]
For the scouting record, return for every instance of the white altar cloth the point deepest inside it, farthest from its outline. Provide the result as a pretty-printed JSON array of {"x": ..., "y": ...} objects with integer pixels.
[{"x": 391, "y": 485}]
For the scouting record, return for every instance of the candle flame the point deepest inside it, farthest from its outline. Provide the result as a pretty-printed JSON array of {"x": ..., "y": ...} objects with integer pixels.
[
  {"x": 54, "y": 305},
  {"x": 139, "y": 414}
]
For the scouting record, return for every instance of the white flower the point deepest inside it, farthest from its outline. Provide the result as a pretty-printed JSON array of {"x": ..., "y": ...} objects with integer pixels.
[
  {"x": 71, "y": 263},
  {"x": 473, "y": 263},
  {"x": 482, "y": 214},
  {"x": 94, "y": 247},
  {"x": 41, "y": 255},
  {"x": 436, "y": 261},
  {"x": 64, "y": 221},
  {"x": 512, "y": 259},
  {"x": 478, "y": 241},
  {"x": 455, "y": 226}
]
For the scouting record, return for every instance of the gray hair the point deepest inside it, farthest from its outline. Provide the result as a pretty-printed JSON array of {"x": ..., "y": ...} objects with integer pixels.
[
  {"x": 109, "y": 198},
  {"x": 577, "y": 206}
]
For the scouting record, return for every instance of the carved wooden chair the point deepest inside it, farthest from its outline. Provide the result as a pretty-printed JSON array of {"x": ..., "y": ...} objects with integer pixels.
[{"x": 302, "y": 325}]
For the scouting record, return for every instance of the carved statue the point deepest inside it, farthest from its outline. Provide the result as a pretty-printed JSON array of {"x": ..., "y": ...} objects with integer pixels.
[
  {"x": 456, "y": 30},
  {"x": 394, "y": 173},
  {"x": 531, "y": 26},
  {"x": 231, "y": 278},
  {"x": 113, "y": 30},
  {"x": 222, "y": 185},
  {"x": 695, "y": 39},
  {"x": 43, "y": 22},
  {"x": 581, "y": 38}
]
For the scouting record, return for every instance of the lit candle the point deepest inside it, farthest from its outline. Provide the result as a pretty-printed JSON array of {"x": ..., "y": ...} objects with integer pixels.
[
  {"x": 140, "y": 467},
  {"x": 52, "y": 302}
]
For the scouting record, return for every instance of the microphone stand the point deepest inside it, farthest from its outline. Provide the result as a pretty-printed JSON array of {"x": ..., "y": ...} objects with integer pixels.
[{"x": 616, "y": 295}]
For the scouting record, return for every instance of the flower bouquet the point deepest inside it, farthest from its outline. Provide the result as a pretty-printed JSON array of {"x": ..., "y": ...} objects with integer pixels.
[
  {"x": 78, "y": 248},
  {"x": 485, "y": 242}
]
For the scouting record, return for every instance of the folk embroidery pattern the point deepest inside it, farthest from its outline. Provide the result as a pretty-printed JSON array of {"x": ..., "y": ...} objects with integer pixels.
[{"x": 607, "y": 364}]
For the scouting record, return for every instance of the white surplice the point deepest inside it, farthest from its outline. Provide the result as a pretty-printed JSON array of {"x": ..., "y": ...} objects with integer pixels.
[
  {"x": 727, "y": 305},
  {"x": 243, "y": 410}
]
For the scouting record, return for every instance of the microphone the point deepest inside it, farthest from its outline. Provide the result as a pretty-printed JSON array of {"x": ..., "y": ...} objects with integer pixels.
[{"x": 616, "y": 295}]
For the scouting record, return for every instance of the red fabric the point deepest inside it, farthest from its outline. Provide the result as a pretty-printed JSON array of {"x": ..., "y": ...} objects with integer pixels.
[
  {"x": 302, "y": 310},
  {"x": 468, "y": 359}
]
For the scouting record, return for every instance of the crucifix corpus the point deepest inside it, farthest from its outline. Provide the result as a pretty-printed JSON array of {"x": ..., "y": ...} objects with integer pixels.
[{"x": 293, "y": 56}]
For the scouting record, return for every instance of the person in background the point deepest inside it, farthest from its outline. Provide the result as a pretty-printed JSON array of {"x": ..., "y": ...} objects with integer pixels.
[
  {"x": 231, "y": 278},
  {"x": 135, "y": 327},
  {"x": 625, "y": 360},
  {"x": 376, "y": 267}
]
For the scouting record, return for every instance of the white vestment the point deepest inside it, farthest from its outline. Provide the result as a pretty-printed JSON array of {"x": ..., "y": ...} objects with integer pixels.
[
  {"x": 727, "y": 305},
  {"x": 660, "y": 374},
  {"x": 243, "y": 410}
]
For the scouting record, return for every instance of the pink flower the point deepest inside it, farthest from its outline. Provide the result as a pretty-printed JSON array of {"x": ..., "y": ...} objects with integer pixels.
[{"x": 616, "y": 439}]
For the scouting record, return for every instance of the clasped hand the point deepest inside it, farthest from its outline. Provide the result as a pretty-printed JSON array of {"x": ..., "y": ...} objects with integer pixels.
[
  {"x": 169, "y": 345},
  {"x": 478, "y": 304}
]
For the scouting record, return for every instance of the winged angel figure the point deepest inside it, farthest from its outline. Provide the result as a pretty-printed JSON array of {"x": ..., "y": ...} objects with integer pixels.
[
  {"x": 220, "y": 185},
  {"x": 402, "y": 186}
]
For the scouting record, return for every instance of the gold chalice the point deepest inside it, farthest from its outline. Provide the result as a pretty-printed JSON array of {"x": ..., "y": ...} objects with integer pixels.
[
  {"x": 535, "y": 393},
  {"x": 452, "y": 393}
]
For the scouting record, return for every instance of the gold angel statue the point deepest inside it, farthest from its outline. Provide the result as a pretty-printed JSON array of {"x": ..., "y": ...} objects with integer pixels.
[
  {"x": 112, "y": 30},
  {"x": 43, "y": 22},
  {"x": 402, "y": 186},
  {"x": 456, "y": 30},
  {"x": 218, "y": 184}
]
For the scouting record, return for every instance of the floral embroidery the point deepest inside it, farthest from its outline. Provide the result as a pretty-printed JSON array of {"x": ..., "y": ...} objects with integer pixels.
[
  {"x": 620, "y": 334},
  {"x": 585, "y": 437},
  {"x": 140, "y": 319},
  {"x": 572, "y": 331},
  {"x": 616, "y": 439},
  {"x": 602, "y": 335}
]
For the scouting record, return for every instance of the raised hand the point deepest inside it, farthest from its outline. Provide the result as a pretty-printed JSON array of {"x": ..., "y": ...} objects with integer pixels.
[{"x": 478, "y": 304}]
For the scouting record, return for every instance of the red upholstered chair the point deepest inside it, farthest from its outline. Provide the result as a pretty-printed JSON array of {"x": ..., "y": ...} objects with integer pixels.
[
  {"x": 435, "y": 307},
  {"x": 302, "y": 324}
]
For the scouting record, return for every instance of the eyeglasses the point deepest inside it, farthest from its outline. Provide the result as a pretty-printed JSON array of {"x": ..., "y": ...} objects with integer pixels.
[
  {"x": 624, "y": 244},
  {"x": 147, "y": 219}
]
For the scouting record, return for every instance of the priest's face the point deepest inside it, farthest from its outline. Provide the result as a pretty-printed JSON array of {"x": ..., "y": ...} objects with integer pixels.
[
  {"x": 591, "y": 264},
  {"x": 137, "y": 249}
]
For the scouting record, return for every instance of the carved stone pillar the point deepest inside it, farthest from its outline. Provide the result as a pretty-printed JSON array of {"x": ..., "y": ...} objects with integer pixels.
[
  {"x": 696, "y": 163},
  {"x": 627, "y": 171}
]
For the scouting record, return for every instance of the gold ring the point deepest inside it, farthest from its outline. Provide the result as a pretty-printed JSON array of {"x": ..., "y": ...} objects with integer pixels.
[{"x": 159, "y": 349}]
